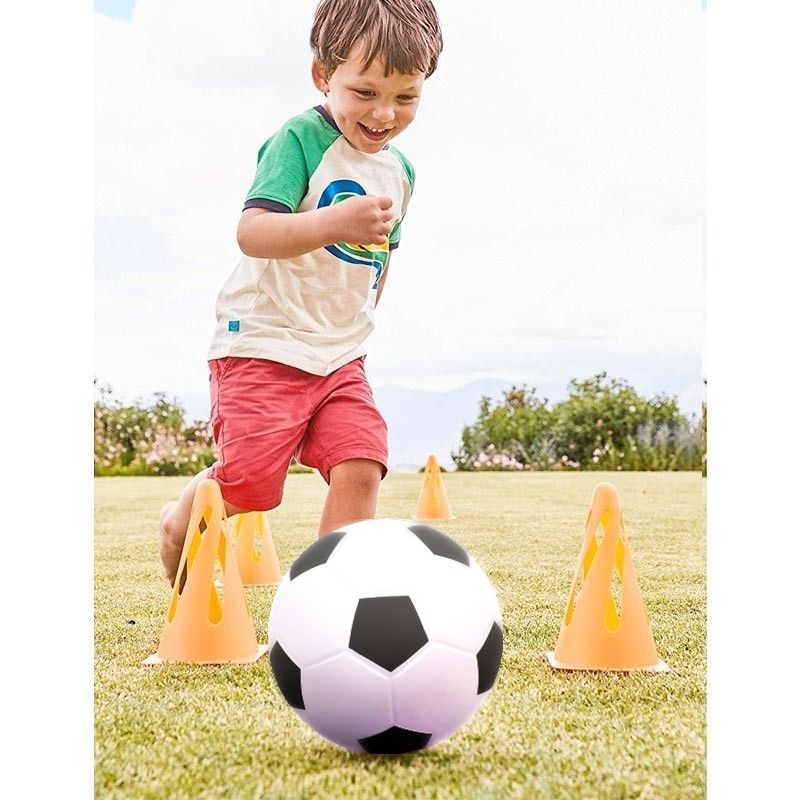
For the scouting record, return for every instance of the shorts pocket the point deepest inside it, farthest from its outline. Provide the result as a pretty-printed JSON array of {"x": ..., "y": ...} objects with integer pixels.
[{"x": 219, "y": 367}]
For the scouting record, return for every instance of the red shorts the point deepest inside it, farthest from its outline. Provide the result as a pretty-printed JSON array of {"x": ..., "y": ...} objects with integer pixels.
[{"x": 264, "y": 412}]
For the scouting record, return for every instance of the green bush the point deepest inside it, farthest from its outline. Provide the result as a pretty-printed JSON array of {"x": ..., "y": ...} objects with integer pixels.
[
  {"x": 148, "y": 438},
  {"x": 513, "y": 435},
  {"x": 604, "y": 424}
]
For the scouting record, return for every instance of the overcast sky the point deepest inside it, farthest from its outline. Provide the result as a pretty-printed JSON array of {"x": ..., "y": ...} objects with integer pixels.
[{"x": 556, "y": 228}]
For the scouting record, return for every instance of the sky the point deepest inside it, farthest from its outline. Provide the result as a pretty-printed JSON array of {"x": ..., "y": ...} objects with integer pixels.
[{"x": 557, "y": 224}]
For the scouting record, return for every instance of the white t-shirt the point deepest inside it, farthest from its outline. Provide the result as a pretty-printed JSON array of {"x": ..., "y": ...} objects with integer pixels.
[{"x": 312, "y": 312}]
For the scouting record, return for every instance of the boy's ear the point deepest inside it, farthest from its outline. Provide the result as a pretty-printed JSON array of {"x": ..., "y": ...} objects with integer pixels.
[{"x": 319, "y": 76}]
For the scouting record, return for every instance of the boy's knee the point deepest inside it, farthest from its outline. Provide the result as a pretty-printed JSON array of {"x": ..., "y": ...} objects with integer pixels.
[
  {"x": 358, "y": 474},
  {"x": 172, "y": 525},
  {"x": 173, "y": 531}
]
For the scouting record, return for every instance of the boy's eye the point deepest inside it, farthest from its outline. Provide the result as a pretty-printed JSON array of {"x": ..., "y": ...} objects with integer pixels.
[
  {"x": 406, "y": 98},
  {"x": 364, "y": 92}
]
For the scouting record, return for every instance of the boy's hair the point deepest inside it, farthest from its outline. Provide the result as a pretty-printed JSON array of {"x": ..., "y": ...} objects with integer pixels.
[{"x": 404, "y": 34}]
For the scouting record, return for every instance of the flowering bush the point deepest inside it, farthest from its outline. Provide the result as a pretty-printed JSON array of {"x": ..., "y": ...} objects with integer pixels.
[
  {"x": 604, "y": 424},
  {"x": 513, "y": 435},
  {"x": 148, "y": 439},
  {"x": 491, "y": 459}
]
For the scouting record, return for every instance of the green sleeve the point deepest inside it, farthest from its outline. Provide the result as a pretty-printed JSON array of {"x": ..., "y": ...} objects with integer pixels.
[
  {"x": 287, "y": 160},
  {"x": 394, "y": 236},
  {"x": 409, "y": 170}
]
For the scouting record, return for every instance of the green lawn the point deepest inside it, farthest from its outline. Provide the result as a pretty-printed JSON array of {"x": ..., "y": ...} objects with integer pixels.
[{"x": 185, "y": 731}]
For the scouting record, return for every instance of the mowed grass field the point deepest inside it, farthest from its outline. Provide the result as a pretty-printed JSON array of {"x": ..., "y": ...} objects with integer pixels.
[{"x": 184, "y": 731}]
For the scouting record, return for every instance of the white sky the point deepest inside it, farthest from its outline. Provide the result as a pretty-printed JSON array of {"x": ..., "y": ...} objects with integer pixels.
[{"x": 557, "y": 224}]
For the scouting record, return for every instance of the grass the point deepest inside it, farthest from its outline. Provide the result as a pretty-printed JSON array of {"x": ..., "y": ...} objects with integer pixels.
[{"x": 186, "y": 731}]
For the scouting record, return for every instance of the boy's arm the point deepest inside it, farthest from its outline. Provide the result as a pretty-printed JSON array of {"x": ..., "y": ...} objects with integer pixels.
[{"x": 365, "y": 219}]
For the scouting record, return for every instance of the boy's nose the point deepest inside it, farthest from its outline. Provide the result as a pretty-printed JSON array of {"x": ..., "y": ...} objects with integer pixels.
[{"x": 384, "y": 114}]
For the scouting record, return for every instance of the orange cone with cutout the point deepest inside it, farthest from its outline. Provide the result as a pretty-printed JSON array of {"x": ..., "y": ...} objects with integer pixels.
[
  {"x": 204, "y": 626},
  {"x": 433, "y": 502},
  {"x": 255, "y": 550},
  {"x": 598, "y": 631}
]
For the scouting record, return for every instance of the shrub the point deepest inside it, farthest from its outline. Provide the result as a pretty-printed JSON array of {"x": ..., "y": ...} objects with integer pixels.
[
  {"x": 604, "y": 424},
  {"x": 148, "y": 439},
  {"x": 513, "y": 435}
]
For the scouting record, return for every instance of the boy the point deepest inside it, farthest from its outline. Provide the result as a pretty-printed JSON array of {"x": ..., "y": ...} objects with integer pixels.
[{"x": 323, "y": 213}]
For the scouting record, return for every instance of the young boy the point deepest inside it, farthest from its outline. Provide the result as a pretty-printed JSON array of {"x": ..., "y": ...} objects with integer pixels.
[{"x": 323, "y": 213}]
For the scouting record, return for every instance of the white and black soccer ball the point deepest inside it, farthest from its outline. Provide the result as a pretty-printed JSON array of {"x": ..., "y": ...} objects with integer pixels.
[{"x": 385, "y": 636}]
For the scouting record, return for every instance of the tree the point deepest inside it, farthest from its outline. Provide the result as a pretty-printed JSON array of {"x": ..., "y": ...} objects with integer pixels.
[
  {"x": 598, "y": 425},
  {"x": 604, "y": 424},
  {"x": 515, "y": 434}
]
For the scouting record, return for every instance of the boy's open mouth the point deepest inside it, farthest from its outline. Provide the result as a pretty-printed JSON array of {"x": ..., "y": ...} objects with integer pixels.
[{"x": 374, "y": 134}]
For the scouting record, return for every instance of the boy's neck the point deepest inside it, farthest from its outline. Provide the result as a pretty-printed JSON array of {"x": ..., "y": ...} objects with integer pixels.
[{"x": 326, "y": 112}]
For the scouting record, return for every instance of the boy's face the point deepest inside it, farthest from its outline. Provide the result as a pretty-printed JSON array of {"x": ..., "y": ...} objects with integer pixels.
[{"x": 369, "y": 107}]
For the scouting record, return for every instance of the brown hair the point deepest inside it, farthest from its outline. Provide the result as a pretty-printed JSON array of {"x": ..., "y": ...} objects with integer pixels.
[{"x": 404, "y": 34}]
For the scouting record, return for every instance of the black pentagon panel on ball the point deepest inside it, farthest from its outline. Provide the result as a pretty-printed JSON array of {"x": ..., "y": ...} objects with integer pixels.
[
  {"x": 318, "y": 553},
  {"x": 287, "y": 676},
  {"x": 387, "y": 630},
  {"x": 395, "y": 740},
  {"x": 489, "y": 658},
  {"x": 440, "y": 544}
]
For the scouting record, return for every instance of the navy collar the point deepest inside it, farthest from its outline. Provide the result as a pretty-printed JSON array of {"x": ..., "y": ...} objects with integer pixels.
[{"x": 326, "y": 115}]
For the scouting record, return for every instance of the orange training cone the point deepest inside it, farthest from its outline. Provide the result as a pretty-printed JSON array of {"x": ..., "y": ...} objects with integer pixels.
[
  {"x": 597, "y": 633},
  {"x": 201, "y": 626},
  {"x": 433, "y": 502},
  {"x": 255, "y": 550}
]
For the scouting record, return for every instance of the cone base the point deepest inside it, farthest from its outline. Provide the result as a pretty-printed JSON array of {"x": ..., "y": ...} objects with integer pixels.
[
  {"x": 661, "y": 666},
  {"x": 155, "y": 660},
  {"x": 432, "y": 519}
]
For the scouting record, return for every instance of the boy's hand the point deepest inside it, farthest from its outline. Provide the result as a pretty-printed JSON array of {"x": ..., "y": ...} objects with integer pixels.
[{"x": 365, "y": 219}]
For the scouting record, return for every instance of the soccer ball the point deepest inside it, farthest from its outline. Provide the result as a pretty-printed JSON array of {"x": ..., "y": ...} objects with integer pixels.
[{"x": 385, "y": 636}]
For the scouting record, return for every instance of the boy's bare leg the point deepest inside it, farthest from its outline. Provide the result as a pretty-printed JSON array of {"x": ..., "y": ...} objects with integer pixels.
[
  {"x": 173, "y": 521},
  {"x": 352, "y": 495}
]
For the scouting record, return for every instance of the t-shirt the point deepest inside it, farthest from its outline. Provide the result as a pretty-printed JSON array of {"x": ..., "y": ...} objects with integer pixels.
[{"x": 312, "y": 312}]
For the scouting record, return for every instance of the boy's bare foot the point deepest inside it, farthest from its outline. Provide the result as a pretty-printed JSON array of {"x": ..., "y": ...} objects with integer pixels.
[{"x": 173, "y": 522}]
